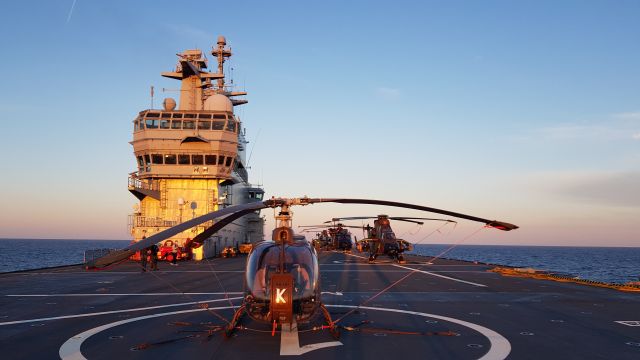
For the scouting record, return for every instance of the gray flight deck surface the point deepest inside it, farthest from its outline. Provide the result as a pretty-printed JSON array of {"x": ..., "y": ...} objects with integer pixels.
[{"x": 76, "y": 314}]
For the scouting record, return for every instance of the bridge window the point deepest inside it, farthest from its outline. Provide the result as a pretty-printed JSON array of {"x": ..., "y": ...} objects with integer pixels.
[
  {"x": 210, "y": 159},
  {"x": 204, "y": 116},
  {"x": 140, "y": 162},
  {"x": 177, "y": 116},
  {"x": 196, "y": 159},
  {"x": 166, "y": 115},
  {"x": 183, "y": 159},
  {"x": 151, "y": 124},
  {"x": 204, "y": 125},
  {"x": 164, "y": 124},
  {"x": 188, "y": 124},
  {"x": 228, "y": 162},
  {"x": 231, "y": 126},
  {"x": 217, "y": 125},
  {"x": 220, "y": 160},
  {"x": 152, "y": 115},
  {"x": 190, "y": 116},
  {"x": 156, "y": 158},
  {"x": 170, "y": 159},
  {"x": 147, "y": 161},
  {"x": 176, "y": 124}
]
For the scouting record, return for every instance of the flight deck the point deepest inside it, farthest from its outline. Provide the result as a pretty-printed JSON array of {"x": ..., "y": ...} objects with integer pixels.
[{"x": 448, "y": 309}]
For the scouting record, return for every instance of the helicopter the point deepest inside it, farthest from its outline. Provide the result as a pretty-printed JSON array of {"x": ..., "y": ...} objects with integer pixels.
[
  {"x": 333, "y": 237},
  {"x": 381, "y": 240},
  {"x": 282, "y": 275}
]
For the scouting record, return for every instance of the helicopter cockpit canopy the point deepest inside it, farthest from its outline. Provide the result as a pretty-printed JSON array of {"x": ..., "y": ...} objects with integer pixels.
[
  {"x": 299, "y": 260},
  {"x": 388, "y": 235}
]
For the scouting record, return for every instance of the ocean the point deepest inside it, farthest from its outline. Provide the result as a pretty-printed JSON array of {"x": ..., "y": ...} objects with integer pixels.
[
  {"x": 608, "y": 264},
  {"x": 25, "y": 254}
]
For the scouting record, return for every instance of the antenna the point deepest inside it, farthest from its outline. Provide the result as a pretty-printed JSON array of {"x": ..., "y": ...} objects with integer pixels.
[{"x": 252, "y": 147}]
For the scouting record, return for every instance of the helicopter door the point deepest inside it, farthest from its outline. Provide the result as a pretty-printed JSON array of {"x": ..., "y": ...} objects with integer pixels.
[{"x": 282, "y": 298}]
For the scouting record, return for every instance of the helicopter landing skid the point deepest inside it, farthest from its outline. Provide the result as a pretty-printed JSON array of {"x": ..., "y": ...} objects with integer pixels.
[
  {"x": 229, "y": 330},
  {"x": 333, "y": 329}
]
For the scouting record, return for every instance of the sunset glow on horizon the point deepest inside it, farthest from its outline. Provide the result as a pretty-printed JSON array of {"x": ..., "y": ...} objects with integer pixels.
[{"x": 524, "y": 113}]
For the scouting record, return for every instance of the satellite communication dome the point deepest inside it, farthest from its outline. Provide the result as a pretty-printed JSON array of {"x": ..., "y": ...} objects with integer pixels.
[
  {"x": 218, "y": 102},
  {"x": 169, "y": 104}
]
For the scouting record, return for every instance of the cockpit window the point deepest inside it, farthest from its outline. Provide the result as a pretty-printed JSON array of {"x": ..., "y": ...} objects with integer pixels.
[
  {"x": 299, "y": 261},
  {"x": 388, "y": 235}
]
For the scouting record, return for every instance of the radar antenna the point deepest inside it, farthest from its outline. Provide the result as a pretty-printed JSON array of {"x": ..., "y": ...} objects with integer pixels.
[{"x": 221, "y": 53}]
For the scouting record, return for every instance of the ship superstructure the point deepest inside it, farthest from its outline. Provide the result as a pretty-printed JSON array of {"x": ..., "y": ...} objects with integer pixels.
[{"x": 191, "y": 158}]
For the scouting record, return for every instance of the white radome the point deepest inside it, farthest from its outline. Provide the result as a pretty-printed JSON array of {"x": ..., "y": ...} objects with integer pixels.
[{"x": 218, "y": 102}]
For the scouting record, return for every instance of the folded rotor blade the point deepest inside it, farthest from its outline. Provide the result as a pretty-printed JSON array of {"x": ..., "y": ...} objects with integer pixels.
[
  {"x": 163, "y": 235},
  {"x": 200, "y": 238}
]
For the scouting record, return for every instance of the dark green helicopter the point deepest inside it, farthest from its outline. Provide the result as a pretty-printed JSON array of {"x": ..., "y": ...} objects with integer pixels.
[
  {"x": 381, "y": 239},
  {"x": 332, "y": 237}
]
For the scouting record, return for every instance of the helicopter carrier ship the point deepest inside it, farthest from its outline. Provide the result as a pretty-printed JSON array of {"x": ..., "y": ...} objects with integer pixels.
[{"x": 423, "y": 308}]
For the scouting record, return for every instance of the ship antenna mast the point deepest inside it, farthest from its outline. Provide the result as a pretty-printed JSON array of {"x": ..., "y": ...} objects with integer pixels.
[{"x": 222, "y": 53}]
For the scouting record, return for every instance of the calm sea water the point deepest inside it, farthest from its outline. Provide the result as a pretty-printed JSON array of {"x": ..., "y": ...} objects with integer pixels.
[
  {"x": 608, "y": 264},
  {"x": 24, "y": 254},
  {"x": 617, "y": 265}
]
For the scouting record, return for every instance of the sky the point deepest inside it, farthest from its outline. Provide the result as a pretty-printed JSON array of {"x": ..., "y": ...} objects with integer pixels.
[{"x": 521, "y": 111}]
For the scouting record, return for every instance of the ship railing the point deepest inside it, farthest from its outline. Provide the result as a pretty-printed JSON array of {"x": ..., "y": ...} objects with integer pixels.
[
  {"x": 146, "y": 221},
  {"x": 140, "y": 221},
  {"x": 146, "y": 184}
]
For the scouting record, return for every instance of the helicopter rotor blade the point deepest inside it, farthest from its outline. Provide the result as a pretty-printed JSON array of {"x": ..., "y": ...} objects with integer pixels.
[
  {"x": 407, "y": 220},
  {"x": 500, "y": 225},
  {"x": 200, "y": 238},
  {"x": 123, "y": 254},
  {"x": 329, "y": 226},
  {"x": 350, "y": 218},
  {"x": 419, "y": 218}
]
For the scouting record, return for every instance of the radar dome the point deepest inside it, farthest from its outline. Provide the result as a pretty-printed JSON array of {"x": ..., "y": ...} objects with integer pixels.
[
  {"x": 218, "y": 102},
  {"x": 169, "y": 104}
]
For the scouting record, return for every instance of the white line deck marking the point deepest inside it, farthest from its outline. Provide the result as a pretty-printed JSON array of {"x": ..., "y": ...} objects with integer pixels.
[
  {"x": 141, "y": 294},
  {"x": 290, "y": 344},
  {"x": 70, "y": 350},
  {"x": 499, "y": 350},
  {"x": 442, "y": 276},
  {"x": 113, "y": 311},
  {"x": 124, "y": 272},
  {"x": 500, "y": 346},
  {"x": 629, "y": 322},
  {"x": 428, "y": 273}
]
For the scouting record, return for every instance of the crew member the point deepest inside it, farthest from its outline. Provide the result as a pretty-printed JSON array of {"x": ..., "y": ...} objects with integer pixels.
[
  {"x": 143, "y": 259},
  {"x": 154, "y": 257},
  {"x": 174, "y": 252}
]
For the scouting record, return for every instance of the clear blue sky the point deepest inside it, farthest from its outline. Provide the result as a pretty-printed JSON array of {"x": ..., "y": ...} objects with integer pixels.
[{"x": 525, "y": 111}]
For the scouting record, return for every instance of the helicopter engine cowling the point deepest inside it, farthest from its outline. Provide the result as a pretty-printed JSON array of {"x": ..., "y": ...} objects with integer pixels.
[{"x": 300, "y": 263}]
